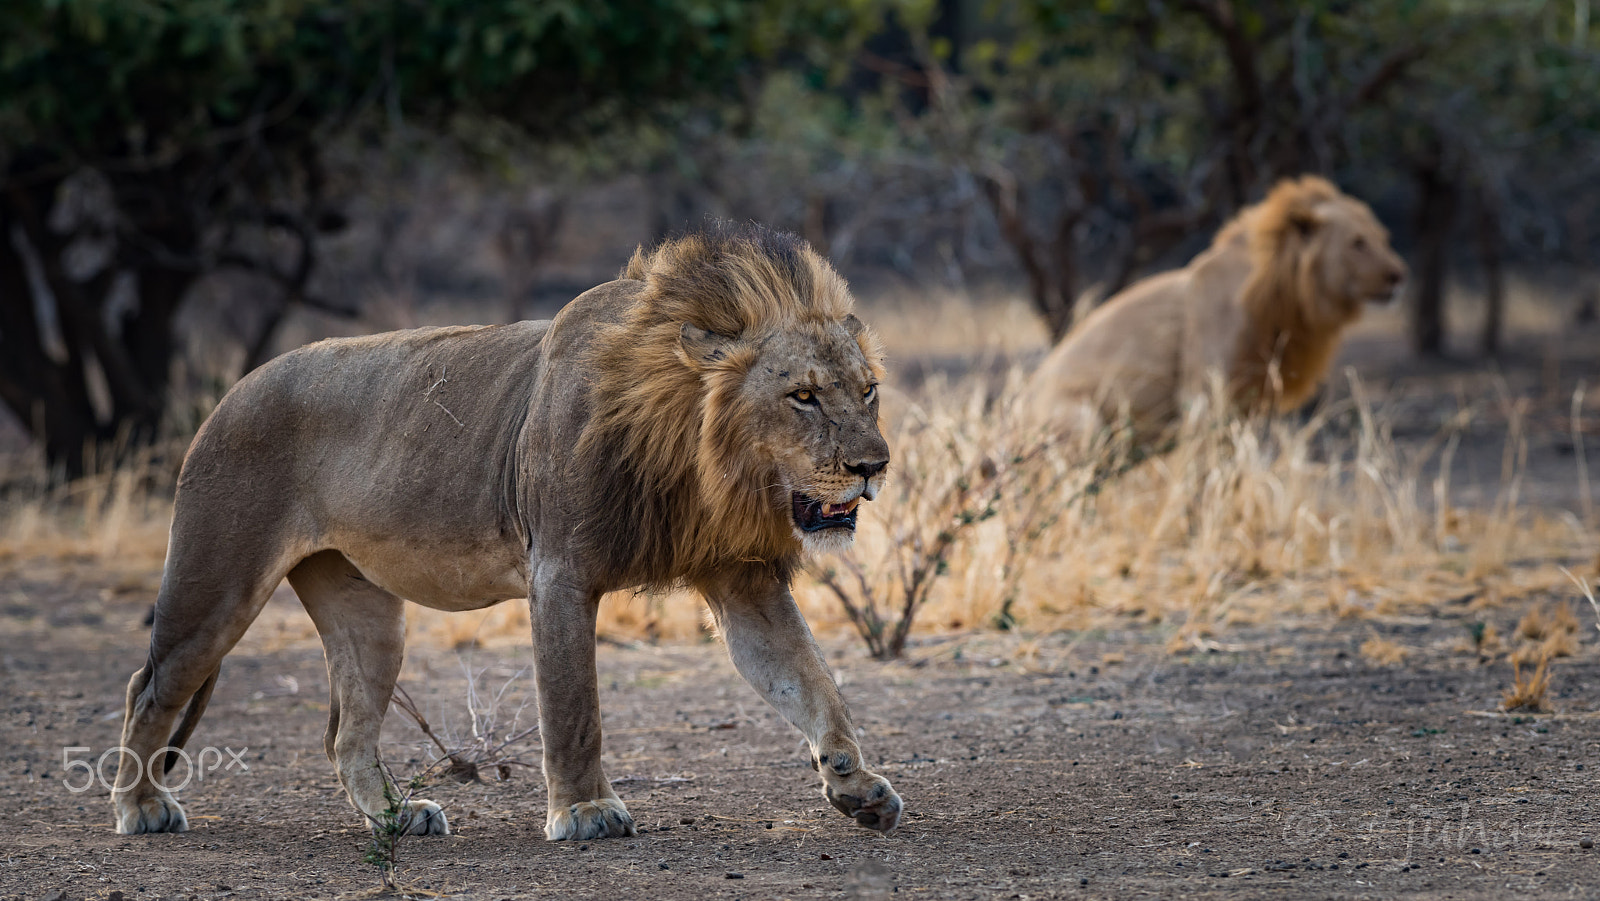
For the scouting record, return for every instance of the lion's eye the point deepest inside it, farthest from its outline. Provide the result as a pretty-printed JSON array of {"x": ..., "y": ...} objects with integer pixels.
[
  {"x": 869, "y": 394},
  {"x": 804, "y": 396}
]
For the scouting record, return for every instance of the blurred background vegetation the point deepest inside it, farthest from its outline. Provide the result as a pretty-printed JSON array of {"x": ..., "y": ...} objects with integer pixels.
[{"x": 183, "y": 181}]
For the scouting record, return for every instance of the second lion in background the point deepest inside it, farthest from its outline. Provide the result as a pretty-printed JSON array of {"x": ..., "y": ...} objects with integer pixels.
[{"x": 1263, "y": 306}]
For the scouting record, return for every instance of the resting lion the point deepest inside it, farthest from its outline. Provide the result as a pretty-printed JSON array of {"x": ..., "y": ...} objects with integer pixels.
[
  {"x": 1264, "y": 306},
  {"x": 705, "y": 420}
]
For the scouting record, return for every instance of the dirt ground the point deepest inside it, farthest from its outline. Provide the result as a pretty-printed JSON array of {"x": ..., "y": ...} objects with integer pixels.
[{"x": 1281, "y": 765}]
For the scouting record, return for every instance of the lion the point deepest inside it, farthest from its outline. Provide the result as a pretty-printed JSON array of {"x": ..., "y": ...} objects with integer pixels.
[
  {"x": 1263, "y": 307},
  {"x": 707, "y": 420}
]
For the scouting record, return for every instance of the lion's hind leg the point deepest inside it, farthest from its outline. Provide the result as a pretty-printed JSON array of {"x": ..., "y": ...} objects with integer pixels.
[
  {"x": 201, "y": 613},
  {"x": 363, "y": 637}
]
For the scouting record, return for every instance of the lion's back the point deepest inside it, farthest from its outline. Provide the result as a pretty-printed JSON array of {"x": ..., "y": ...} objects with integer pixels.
[
  {"x": 1122, "y": 357},
  {"x": 349, "y": 425}
]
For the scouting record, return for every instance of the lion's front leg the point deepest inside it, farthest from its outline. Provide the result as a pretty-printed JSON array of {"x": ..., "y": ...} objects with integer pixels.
[
  {"x": 772, "y": 647},
  {"x": 582, "y": 804}
]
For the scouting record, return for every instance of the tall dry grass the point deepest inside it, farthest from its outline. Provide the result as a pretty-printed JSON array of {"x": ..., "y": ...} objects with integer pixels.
[
  {"x": 1241, "y": 520},
  {"x": 1325, "y": 514},
  {"x": 111, "y": 524}
]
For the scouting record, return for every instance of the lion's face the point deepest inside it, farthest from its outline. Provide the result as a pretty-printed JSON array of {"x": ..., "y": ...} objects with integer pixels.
[
  {"x": 1355, "y": 264},
  {"x": 807, "y": 405}
]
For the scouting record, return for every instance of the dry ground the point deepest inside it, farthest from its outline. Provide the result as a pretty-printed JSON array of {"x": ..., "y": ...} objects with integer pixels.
[
  {"x": 1287, "y": 761},
  {"x": 1283, "y": 765}
]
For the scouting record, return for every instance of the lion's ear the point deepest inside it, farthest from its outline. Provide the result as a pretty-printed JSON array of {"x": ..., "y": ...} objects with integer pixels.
[
  {"x": 703, "y": 349},
  {"x": 853, "y": 325},
  {"x": 1304, "y": 219}
]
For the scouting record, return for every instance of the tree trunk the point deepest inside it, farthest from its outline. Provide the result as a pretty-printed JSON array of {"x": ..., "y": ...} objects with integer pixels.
[
  {"x": 1494, "y": 288},
  {"x": 1435, "y": 215},
  {"x": 52, "y": 396},
  {"x": 1052, "y": 298},
  {"x": 49, "y": 397}
]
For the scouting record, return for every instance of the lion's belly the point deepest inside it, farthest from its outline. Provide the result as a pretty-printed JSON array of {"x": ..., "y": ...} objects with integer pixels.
[{"x": 452, "y": 577}]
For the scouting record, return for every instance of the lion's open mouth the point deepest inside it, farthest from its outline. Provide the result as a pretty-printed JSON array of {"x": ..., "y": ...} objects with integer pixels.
[
  {"x": 1385, "y": 297},
  {"x": 813, "y": 515}
]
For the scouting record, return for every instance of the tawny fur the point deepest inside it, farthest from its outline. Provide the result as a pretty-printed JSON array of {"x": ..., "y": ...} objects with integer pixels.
[
  {"x": 1262, "y": 308},
  {"x": 687, "y": 423}
]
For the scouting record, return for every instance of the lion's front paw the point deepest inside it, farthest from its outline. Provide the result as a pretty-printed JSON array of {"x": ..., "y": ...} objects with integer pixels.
[
  {"x": 859, "y": 794},
  {"x": 158, "y": 813},
  {"x": 423, "y": 818},
  {"x": 602, "y": 818},
  {"x": 869, "y": 800}
]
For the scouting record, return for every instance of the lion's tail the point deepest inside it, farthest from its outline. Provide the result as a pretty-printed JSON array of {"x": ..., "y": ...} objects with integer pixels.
[{"x": 191, "y": 719}]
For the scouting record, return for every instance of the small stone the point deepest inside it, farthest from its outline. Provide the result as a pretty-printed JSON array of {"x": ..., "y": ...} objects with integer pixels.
[
  {"x": 824, "y": 856},
  {"x": 732, "y": 875},
  {"x": 1586, "y": 842},
  {"x": 663, "y": 865},
  {"x": 686, "y": 821}
]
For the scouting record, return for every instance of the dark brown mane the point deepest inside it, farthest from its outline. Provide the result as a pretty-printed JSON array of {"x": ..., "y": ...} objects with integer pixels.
[{"x": 679, "y": 492}]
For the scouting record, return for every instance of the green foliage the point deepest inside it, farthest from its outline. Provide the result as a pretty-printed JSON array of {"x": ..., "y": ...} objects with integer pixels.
[
  {"x": 88, "y": 74},
  {"x": 206, "y": 126},
  {"x": 383, "y": 852}
]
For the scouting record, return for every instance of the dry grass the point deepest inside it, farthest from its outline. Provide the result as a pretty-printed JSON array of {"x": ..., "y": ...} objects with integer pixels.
[
  {"x": 1383, "y": 652},
  {"x": 1240, "y": 522},
  {"x": 1531, "y": 695},
  {"x": 1545, "y": 633},
  {"x": 115, "y": 520},
  {"x": 1548, "y": 621}
]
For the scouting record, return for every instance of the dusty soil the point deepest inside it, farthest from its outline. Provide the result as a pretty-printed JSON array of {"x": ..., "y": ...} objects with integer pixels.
[
  {"x": 1283, "y": 764},
  {"x": 1097, "y": 765}
]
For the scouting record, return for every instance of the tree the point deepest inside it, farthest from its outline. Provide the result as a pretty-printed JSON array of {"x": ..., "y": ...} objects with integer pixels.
[
  {"x": 143, "y": 145},
  {"x": 1107, "y": 133}
]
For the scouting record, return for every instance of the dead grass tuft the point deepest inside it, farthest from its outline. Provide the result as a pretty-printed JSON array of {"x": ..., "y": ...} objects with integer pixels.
[
  {"x": 1383, "y": 652},
  {"x": 1532, "y": 695},
  {"x": 1548, "y": 621}
]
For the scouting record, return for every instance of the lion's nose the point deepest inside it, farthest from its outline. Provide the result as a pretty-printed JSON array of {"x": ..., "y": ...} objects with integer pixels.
[{"x": 866, "y": 468}]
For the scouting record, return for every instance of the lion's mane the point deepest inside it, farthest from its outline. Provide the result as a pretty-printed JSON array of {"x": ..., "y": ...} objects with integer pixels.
[
  {"x": 1291, "y": 330},
  {"x": 683, "y": 495}
]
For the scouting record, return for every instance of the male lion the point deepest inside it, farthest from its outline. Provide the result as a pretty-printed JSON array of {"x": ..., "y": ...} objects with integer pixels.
[
  {"x": 1263, "y": 306},
  {"x": 704, "y": 420}
]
